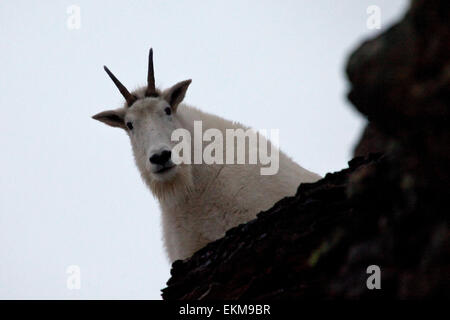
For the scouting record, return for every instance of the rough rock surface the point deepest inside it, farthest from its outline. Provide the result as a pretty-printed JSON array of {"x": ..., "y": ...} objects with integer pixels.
[{"x": 388, "y": 209}]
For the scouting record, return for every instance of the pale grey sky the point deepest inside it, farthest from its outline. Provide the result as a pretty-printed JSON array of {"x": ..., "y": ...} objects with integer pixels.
[{"x": 69, "y": 191}]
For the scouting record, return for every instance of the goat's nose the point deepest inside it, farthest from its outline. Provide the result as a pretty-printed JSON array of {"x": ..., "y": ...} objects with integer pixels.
[{"x": 161, "y": 158}]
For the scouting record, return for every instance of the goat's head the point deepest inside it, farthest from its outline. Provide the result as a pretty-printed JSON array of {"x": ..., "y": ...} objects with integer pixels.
[{"x": 149, "y": 117}]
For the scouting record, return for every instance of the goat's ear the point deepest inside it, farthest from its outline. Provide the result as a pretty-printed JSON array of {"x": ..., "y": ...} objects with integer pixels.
[
  {"x": 176, "y": 93},
  {"x": 113, "y": 118}
]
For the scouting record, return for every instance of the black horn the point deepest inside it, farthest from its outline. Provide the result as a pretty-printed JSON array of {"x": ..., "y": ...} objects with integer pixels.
[
  {"x": 151, "y": 89},
  {"x": 125, "y": 93}
]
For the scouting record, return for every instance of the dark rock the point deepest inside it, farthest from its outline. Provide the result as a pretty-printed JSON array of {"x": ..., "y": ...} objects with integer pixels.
[{"x": 387, "y": 209}]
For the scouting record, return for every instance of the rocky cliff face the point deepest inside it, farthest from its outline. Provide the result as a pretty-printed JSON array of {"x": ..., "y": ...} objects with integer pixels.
[{"x": 388, "y": 208}]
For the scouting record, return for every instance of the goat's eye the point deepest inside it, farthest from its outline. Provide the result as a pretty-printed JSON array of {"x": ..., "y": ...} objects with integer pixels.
[
  {"x": 168, "y": 111},
  {"x": 130, "y": 125}
]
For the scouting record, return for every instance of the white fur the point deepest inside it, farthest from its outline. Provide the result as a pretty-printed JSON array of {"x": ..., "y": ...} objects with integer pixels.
[
  {"x": 222, "y": 196},
  {"x": 200, "y": 202}
]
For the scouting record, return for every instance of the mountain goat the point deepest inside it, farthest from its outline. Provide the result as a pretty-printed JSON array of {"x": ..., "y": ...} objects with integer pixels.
[{"x": 199, "y": 201}]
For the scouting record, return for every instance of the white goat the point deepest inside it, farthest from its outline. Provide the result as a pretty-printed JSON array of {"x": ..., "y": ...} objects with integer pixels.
[{"x": 199, "y": 202}]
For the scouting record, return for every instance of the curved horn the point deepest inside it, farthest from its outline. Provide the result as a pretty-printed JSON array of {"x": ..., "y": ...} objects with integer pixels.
[
  {"x": 125, "y": 93},
  {"x": 151, "y": 89}
]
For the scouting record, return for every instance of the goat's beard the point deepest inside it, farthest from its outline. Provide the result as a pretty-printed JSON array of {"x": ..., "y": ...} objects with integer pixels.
[{"x": 179, "y": 184}]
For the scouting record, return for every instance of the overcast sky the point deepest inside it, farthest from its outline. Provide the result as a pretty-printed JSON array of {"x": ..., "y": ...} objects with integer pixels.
[{"x": 69, "y": 190}]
